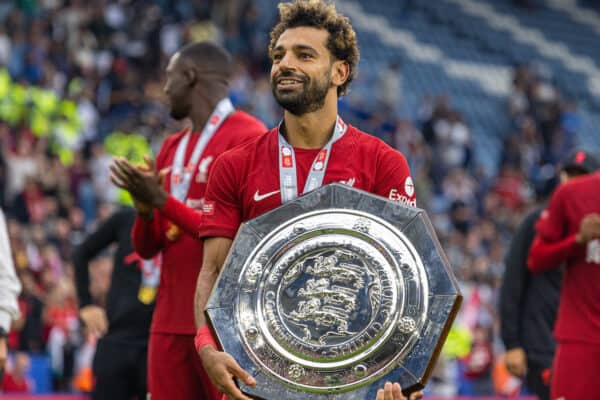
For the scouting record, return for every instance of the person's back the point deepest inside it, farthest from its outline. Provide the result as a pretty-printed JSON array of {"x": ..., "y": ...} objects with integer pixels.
[
  {"x": 120, "y": 358},
  {"x": 528, "y": 305},
  {"x": 579, "y": 310},
  {"x": 569, "y": 231},
  {"x": 540, "y": 305},
  {"x": 169, "y": 196}
]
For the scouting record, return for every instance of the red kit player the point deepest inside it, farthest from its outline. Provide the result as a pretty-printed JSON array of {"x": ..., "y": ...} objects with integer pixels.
[
  {"x": 314, "y": 56},
  {"x": 169, "y": 215}
]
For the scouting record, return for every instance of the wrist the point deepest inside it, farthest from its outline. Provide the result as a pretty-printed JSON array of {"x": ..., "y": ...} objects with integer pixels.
[
  {"x": 206, "y": 350},
  {"x": 204, "y": 341}
]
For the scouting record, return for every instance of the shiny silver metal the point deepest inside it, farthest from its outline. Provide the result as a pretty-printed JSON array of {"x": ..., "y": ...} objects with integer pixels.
[{"x": 330, "y": 295}]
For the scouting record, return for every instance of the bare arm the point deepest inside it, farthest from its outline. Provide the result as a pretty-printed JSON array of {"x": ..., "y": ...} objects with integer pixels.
[
  {"x": 215, "y": 251},
  {"x": 220, "y": 367}
]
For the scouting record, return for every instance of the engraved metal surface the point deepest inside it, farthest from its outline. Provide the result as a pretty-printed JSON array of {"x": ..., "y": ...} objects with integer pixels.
[
  {"x": 328, "y": 297},
  {"x": 332, "y": 294}
]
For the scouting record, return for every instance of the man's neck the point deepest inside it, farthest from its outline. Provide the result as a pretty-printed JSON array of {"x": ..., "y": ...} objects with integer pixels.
[
  {"x": 312, "y": 130},
  {"x": 201, "y": 112}
]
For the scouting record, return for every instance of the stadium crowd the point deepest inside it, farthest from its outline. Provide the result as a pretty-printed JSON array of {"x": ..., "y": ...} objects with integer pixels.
[{"x": 81, "y": 81}]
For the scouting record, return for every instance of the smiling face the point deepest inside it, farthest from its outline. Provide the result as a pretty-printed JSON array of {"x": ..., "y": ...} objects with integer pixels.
[{"x": 301, "y": 74}]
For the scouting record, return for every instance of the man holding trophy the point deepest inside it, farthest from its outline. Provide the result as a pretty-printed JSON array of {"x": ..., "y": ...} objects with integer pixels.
[{"x": 314, "y": 55}]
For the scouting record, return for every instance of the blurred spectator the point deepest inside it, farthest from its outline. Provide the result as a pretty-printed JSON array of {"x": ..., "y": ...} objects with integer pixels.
[
  {"x": 478, "y": 364},
  {"x": 61, "y": 317},
  {"x": 123, "y": 326},
  {"x": 389, "y": 87},
  {"x": 16, "y": 379}
]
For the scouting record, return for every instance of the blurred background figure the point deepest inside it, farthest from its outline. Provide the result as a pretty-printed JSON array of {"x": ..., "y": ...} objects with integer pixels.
[
  {"x": 568, "y": 231},
  {"x": 120, "y": 321},
  {"x": 529, "y": 302}
]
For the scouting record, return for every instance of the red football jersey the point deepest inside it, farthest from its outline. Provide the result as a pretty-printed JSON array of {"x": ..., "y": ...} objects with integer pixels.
[
  {"x": 182, "y": 258},
  {"x": 579, "y": 310},
  {"x": 244, "y": 182}
]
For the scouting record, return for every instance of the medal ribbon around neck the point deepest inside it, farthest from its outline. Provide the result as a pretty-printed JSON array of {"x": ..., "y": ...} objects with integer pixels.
[
  {"x": 287, "y": 164},
  {"x": 181, "y": 176}
]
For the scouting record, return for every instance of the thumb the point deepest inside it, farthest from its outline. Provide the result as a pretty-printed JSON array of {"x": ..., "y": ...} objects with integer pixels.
[
  {"x": 161, "y": 177},
  {"x": 149, "y": 162},
  {"x": 242, "y": 375}
]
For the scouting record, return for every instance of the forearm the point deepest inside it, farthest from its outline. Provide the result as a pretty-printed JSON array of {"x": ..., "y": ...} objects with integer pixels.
[
  {"x": 145, "y": 236},
  {"x": 206, "y": 280},
  {"x": 215, "y": 252},
  {"x": 545, "y": 256},
  {"x": 183, "y": 216},
  {"x": 82, "y": 278},
  {"x": 512, "y": 290}
]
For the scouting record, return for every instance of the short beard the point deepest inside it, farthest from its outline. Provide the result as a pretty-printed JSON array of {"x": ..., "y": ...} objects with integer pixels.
[
  {"x": 178, "y": 113},
  {"x": 312, "y": 97}
]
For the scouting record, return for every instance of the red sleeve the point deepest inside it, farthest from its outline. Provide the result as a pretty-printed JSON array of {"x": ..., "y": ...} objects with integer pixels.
[
  {"x": 393, "y": 178},
  {"x": 544, "y": 256},
  {"x": 181, "y": 215},
  {"x": 552, "y": 244},
  {"x": 252, "y": 129},
  {"x": 146, "y": 236},
  {"x": 221, "y": 213}
]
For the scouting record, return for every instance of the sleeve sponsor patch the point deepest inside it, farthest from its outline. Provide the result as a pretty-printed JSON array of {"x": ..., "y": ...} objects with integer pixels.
[{"x": 208, "y": 208}]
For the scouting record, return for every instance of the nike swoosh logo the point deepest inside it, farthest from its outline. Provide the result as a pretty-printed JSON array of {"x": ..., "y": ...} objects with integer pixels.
[{"x": 260, "y": 197}]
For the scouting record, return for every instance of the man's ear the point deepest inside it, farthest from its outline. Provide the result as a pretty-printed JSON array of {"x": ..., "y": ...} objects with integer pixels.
[
  {"x": 191, "y": 76},
  {"x": 340, "y": 72}
]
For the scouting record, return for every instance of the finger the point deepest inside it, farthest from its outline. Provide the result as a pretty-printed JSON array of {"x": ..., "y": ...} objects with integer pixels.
[
  {"x": 387, "y": 388},
  {"x": 103, "y": 324},
  {"x": 232, "y": 391},
  {"x": 119, "y": 172},
  {"x": 397, "y": 392},
  {"x": 239, "y": 373},
  {"x": 126, "y": 167},
  {"x": 149, "y": 162},
  {"x": 416, "y": 395},
  {"x": 118, "y": 182},
  {"x": 162, "y": 175},
  {"x": 380, "y": 394},
  {"x": 93, "y": 329}
]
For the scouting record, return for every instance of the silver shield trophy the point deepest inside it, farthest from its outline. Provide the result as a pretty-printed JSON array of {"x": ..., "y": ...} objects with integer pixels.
[{"x": 333, "y": 294}]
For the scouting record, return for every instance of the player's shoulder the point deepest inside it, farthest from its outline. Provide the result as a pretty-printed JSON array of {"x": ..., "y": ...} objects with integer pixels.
[
  {"x": 374, "y": 146},
  {"x": 246, "y": 151},
  {"x": 169, "y": 145},
  {"x": 249, "y": 123},
  {"x": 578, "y": 184},
  {"x": 173, "y": 139}
]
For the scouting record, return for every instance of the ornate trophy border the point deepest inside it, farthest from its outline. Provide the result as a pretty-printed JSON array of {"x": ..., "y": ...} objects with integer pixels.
[{"x": 442, "y": 300}]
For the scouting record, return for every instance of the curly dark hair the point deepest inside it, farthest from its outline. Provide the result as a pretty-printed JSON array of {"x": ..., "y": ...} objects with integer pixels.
[{"x": 342, "y": 41}]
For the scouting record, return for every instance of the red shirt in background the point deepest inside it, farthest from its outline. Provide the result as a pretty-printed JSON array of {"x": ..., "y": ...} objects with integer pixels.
[
  {"x": 182, "y": 258},
  {"x": 244, "y": 182},
  {"x": 579, "y": 310}
]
